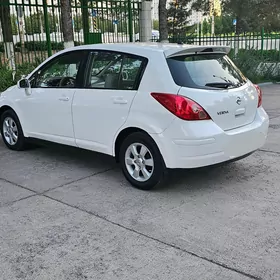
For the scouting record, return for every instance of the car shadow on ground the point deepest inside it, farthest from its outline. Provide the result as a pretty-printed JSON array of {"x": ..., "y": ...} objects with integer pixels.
[
  {"x": 178, "y": 180},
  {"x": 187, "y": 181}
]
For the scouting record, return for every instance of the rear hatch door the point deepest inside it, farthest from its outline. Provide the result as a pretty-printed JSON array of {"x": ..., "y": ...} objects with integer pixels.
[
  {"x": 229, "y": 109},
  {"x": 213, "y": 81}
]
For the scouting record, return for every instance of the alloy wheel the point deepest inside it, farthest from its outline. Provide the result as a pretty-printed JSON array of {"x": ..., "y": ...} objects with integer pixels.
[
  {"x": 139, "y": 162},
  {"x": 10, "y": 131}
]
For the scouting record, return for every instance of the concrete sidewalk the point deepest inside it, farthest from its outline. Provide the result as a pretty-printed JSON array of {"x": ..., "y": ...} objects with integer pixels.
[{"x": 70, "y": 214}]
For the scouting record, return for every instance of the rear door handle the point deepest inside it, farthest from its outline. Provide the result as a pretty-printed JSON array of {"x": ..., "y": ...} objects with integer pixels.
[
  {"x": 64, "y": 98},
  {"x": 119, "y": 100}
]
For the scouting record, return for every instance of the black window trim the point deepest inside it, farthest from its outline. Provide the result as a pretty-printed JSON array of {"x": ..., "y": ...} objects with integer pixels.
[
  {"x": 191, "y": 83},
  {"x": 92, "y": 54},
  {"x": 80, "y": 73}
]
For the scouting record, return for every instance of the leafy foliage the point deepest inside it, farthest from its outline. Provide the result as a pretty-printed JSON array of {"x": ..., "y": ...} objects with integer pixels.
[
  {"x": 35, "y": 22},
  {"x": 155, "y": 24},
  {"x": 6, "y": 78},
  {"x": 258, "y": 66},
  {"x": 251, "y": 15},
  {"x": 14, "y": 24},
  {"x": 38, "y": 46},
  {"x": 223, "y": 25},
  {"x": 178, "y": 15}
]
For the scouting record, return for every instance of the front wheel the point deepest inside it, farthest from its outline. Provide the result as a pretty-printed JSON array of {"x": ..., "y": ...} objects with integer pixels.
[
  {"x": 141, "y": 161},
  {"x": 11, "y": 131}
]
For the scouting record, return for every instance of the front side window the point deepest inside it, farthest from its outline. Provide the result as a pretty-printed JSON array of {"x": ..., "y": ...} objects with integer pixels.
[
  {"x": 61, "y": 72},
  {"x": 205, "y": 71},
  {"x": 111, "y": 70}
]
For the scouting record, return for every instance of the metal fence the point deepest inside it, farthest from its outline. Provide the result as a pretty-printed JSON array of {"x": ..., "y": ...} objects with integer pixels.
[
  {"x": 107, "y": 22},
  {"x": 257, "y": 41}
]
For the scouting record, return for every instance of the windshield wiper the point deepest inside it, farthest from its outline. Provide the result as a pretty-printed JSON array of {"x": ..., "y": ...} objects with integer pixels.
[
  {"x": 222, "y": 78},
  {"x": 220, "y": 85},
  {"x": 226, "y": 84}
]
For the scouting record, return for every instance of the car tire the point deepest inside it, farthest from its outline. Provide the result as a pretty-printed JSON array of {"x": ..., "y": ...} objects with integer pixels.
[
  {"x": 11, "y": 131},
  {"x": 141, "y": 161}
]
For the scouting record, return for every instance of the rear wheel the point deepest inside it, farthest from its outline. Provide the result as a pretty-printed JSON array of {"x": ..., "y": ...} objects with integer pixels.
[
  {"x": 141, "y": 161},
  {"x": 11, "y": 131}
]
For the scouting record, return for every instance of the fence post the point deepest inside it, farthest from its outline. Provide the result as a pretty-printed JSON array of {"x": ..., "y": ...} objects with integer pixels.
[
  {"x": 199, "y": 32},
  {"x": 130, "y": 21},
  {"x": 85, "y": 21},
  {"x": 262, "y": 43},
  {"x": 276, "y": 47},
  {"x": 47, "y": 27},
  {"x": 236, "y": 44}
]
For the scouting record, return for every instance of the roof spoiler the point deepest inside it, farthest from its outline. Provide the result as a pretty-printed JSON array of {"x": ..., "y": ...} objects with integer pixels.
[{"x": 185, "y": 50}]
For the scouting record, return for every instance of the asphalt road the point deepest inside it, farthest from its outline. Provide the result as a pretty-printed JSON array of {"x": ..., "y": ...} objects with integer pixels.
[{"x": 69, "y": 214}]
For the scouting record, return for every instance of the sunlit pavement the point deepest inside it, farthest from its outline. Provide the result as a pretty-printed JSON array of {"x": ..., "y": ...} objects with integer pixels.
[{"x": 69, "y": 214}]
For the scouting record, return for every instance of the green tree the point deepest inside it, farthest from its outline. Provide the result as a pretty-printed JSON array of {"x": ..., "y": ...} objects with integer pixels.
[
  {"x": 179, "y": 14},
  {"x": 223, "y": 25},
  {"x": 14, "y": 24},
  {"x": 78, "y": 23},
  {"x": 6, "y": 24},
  {"x": 251, "y": 15},
  {"x": 269, "y": 14},
  {"x": 34, "y": 23},
  {"x": 155, "y": 24},
  {"x": 53, "y": 22},
  {"x": 206, "y": 27}
]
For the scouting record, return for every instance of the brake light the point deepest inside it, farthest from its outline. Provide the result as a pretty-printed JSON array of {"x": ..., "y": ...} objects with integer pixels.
[
  {"x": 259, "y": 90},
  {"x": 182, "y": 107}
]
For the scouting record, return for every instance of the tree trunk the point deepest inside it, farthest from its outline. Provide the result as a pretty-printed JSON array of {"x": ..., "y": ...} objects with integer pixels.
[
  {"x": 163, "y": 29},
  {"x": 66, "y": 21},
  {"x": 7, "y": 32}
]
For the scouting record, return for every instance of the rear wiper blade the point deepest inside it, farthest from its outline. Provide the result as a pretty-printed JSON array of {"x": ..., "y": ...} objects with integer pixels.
[
  {"x": 222, "y": 78},
  {"x": 220, "y": 85}
]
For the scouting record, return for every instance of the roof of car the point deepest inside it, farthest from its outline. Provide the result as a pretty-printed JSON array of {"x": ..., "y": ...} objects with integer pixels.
[{"x": 168, "y": 49}]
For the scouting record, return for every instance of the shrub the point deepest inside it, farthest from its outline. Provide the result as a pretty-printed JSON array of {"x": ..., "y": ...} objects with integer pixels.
[
  {"x": 6, "y": 77},
  {"x": 258, "y": 66},
  {"x": 2, "y": 49},
  {"x": 265, "y": 55},
  {"x": 39, "y": 46}
]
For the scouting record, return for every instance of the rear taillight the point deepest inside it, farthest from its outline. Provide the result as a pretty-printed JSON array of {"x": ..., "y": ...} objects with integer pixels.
[
  {"x": 182, "y": 107},
  {"x": 259, "y": 90}
]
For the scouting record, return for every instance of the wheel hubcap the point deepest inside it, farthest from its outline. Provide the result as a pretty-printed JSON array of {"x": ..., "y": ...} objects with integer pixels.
[
  {"x": 139, "y": 162},
  {"x": 10, "y": 131}
]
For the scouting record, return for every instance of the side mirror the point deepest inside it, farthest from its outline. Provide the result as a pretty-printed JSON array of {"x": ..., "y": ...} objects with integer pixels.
[{"x": 24, "y": 83}]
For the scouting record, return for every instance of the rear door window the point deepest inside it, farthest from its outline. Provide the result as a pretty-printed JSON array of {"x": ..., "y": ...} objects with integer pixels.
[
  {"x": 112, "y": 70},
  {"x": 205, "y": 71}
]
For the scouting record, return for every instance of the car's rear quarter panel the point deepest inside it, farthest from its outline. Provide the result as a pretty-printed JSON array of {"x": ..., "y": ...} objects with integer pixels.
[{"x": 146, "y": 113}]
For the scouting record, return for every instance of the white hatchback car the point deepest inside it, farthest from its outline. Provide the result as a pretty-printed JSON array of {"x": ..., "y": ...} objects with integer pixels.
[{"x": 151, "y": 106}]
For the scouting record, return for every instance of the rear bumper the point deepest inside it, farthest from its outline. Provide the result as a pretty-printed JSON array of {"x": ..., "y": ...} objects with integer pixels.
[{"x": 203, "y": 143}]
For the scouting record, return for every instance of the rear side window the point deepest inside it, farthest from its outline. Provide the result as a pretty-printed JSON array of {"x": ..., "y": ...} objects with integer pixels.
[
  {"x": 118, "y": 71},
  {"x": 205, "y": 71}
]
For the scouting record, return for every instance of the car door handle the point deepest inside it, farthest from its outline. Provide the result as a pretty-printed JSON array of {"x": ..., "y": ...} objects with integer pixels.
[
  {"x": 64, "y": 98},
  {"x": 240, "y": 112},
  {"x": 119, "y": 100}
]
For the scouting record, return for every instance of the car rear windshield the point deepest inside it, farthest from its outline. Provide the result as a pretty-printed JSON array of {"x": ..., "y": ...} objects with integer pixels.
[{"x": 210, "y": 71}]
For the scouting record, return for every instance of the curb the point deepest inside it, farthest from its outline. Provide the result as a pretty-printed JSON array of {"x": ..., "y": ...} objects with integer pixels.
[{"x": 268, "y": 83}]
